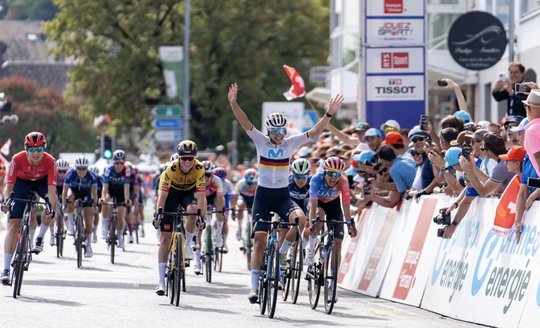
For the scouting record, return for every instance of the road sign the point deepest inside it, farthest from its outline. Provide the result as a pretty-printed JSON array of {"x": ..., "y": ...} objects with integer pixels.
[
  {"x": 168, "y": 136},
  {"x": 167, "y": 110},
  {"x": 167, "y": 123}
]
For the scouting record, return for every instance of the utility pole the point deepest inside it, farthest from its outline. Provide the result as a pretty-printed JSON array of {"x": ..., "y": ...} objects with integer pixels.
[{"x": 187, "y": 28}]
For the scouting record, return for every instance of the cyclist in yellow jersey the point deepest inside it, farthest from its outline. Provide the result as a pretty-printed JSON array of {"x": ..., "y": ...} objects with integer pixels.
[{"x": 183, "y": 183}]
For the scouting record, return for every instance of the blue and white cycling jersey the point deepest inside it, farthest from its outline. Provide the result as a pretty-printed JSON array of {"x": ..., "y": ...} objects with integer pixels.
[
  {"x": 299, "y": 195},
  {"x": 117, "y": 180},
  {"x": 79, "y": 185}
]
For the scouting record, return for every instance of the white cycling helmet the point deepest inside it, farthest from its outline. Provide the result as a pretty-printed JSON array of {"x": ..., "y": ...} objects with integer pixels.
[
  {"x": 119, "y": 155},
  {"x": 301, "y": 166},
  {"x": 174, "y": 157},
  {"x": 81, "y": 161},
  {"x": 94, "y": 169},
  {"x": 275, "y": 120},
  {"x": 62, "y": 164}
]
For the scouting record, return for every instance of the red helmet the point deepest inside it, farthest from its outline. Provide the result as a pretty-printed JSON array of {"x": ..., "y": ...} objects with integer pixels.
[{"x": 35, "y": 139}]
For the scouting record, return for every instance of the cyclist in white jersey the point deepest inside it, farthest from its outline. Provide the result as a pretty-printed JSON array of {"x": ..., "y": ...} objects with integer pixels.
[{"x": 274, "y": 151}]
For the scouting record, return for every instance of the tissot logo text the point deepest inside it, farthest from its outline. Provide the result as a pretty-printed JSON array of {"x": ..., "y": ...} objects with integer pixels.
[{"x": 394, "y": 60}]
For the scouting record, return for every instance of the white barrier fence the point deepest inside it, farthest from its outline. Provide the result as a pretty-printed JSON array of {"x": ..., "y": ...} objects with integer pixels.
[{"x": 477, "y": 275}]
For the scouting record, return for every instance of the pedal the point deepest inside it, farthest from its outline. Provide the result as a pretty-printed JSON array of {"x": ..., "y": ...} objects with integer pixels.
[{"x": 242, "y": 248}]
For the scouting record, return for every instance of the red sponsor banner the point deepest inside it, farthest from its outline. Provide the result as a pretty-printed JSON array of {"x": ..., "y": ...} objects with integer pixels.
[
  {"x": 408, "y": 269},
  {"x": 370, "y": 271},
  {"x": 394, "y": 60},
  {"x": 346, "y": 261},
  {"x": 393, "y": 6},
  {"x": 505, "y": 214}
]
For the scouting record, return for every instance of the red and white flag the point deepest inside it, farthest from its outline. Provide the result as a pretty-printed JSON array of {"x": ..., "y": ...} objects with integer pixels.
[
  {"x": 5, "y": 148},
  {"x": 298, "y": 88}
]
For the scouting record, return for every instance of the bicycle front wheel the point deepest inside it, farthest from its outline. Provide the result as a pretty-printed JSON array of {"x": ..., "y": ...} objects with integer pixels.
[
  {"x": 178, "y": 263},
  {"x": 273, "y": 280},
  {"x": 18, "y": 268},
  {"x": 79, "y": 238},
  {"x": 297, "y": 265},
  {"x": 112, "y": 238},
  {"x": 287, "y": 275},
  {"x": 314, "y": 287},
  {"x": 330, "y": 279}
]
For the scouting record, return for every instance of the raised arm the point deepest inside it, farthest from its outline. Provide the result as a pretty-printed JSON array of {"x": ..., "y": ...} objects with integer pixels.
[
  {"x": 333, "y": 107},
  {"x": 237, "y": 111},
  {"x": 462, "y": 104},
  {"x": 342, "y": 136}
]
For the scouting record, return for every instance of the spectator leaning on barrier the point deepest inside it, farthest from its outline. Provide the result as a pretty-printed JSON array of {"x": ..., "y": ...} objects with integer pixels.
[
  {"x": 504, "y": 89},
  {"x": 532, "y": 130},
  {"x": 373, "y": 137},
  {"x": 402, "y": 171},
  {"x": 424, "y": 179}
]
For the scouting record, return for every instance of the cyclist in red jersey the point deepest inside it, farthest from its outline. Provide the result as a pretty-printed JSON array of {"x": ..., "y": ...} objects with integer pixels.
[{"x": 30, "y": 170}]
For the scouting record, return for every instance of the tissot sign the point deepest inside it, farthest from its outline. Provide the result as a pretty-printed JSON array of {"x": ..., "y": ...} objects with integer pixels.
[{"x": 477, "y": 40}]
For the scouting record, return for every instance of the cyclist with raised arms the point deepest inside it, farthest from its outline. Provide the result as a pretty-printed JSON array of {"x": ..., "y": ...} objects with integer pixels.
[
  {"x": 273, "y": 154},
  {"x": 182, "y": 183},
  {"x": 325, "y": 189},
  {"x": 30, "y": 170},
  {"x": 116, "y": 181},
  {"x": 244, "y": 194},
  {"x": 81, "y": 184}
]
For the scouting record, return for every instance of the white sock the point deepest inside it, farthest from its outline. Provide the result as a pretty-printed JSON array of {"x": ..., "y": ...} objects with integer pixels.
[
  {"x": 225, "y": 240},
  {"x": 255, "y": 278},
  {"x": 198, "y": 255},
  {"x": 312, "y": 242},
  {"x": 89, "y": 240},
  {"x": 51, "y": 229},
  {"x": 32, "y": 233},
  {"x": 219, "y": 228},
  {"x": 285, "y": 246},
  {"x": 161, "y": 269},
  {"x": 42, "y": 230},
  {"x": 7, "y": 260},
  {"x": 71, "y": 218},
  {"x": 189, "y": 239},
  {"x": 105, "y": 224}
]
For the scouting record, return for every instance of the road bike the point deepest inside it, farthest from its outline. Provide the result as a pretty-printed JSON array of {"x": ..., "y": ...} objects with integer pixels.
[
  {"x": 293, "y": 272},
  {"x": 177, "y": 262},
  {"x": 112, "y": 238},
  {"x": 60, "y": 231},
  {"x": 323, "y": 272},
  {"x": 79, "y": 235},
  {"x": 23, "y": 254},
  {"x": 270, "y": 271},
  {"x": 247, "y": 242}
]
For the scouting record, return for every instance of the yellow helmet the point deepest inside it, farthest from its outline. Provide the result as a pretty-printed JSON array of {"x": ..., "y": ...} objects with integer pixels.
[{"x": 186, "y": 148}]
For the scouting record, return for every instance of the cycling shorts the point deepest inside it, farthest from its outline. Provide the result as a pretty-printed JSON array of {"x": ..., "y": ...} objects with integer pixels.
[
  {"x": 333, "y": 211},
  {"x": 22, "y": 189},
  {"x": 86, "y": 197},
  {"x": 247, "y": 199},
  {"x": 271, "y": 200},
  {"x": 175, "y": 198}
]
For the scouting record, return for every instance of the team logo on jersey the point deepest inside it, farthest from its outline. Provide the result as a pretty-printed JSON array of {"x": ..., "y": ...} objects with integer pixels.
[{"x": 273, "y": 154}]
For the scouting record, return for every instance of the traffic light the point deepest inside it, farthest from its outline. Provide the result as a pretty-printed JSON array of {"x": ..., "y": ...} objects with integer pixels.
[{"x": 106, "y": 149}]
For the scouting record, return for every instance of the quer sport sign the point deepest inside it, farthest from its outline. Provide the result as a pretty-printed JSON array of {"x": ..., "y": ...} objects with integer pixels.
[{"x": 477, "y": 40}]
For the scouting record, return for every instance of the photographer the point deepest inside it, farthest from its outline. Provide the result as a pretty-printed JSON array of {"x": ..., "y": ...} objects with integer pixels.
[{"x": 504, "y": 89}]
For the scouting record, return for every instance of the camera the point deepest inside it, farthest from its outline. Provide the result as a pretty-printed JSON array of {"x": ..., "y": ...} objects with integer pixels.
[
  {"x": 440, "y": 232},
  {"x": 503, "y": 77},
  {"x": 442, "y": 83},
  {"x": 443, "y": 217},
  {"x": 466, "y": 151},
  {"x": 424, "y": 119},
  {"x": 522, "y": 88},
  {"x": 366, "y": 189}
]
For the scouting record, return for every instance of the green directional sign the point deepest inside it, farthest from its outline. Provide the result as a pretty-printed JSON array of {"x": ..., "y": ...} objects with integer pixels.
[{"x": 167, "y": 110}]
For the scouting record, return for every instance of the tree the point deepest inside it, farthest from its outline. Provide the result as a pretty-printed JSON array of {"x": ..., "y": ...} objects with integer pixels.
[
  {"x": 116, "y": 42},
  {"x": 30, "y": 9},
  {"x": 35, "y": 107}
]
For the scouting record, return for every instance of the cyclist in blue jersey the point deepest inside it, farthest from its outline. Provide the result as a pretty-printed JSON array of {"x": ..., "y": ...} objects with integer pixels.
[
  {"x": 244, "y": 191},
  {"x": 99, "y": 179},
  {"x": 299, "y": 183},
  {"x": 329, "y": 192},
  {"x": 81, "y": 184},
  {"x": 116, "y": 181},
  {"x": 134, "y": 194},
  {"x": 273, "y": 154}
]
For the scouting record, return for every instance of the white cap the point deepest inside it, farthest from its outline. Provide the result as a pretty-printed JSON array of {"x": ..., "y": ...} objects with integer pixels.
[{"x": 391, "y": 123}]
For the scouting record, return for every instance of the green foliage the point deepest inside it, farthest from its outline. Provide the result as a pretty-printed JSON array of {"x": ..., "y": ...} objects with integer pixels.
[
  {"x": 43, "y": 109},
  {"x": 30, "y": 9},
  {"x": 240, "y": 41}
]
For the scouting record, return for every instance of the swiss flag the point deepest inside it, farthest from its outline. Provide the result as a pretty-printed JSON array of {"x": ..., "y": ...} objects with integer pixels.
[
  {"x": 505, "y": 214},
  {"x": 298, "y": 88},
  {"x": 5, "y": 148}
]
